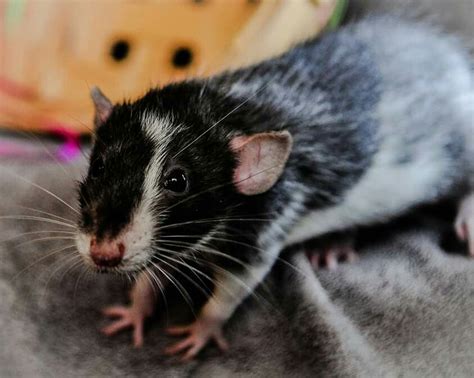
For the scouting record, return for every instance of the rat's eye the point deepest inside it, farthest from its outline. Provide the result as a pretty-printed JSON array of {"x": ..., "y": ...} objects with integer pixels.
[
  {"x": 176, "y": 181},
  {"x": 97, "y": 167}
]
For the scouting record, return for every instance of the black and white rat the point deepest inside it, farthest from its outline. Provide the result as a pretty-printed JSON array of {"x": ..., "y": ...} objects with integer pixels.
[{"x": 350, "y": 129}]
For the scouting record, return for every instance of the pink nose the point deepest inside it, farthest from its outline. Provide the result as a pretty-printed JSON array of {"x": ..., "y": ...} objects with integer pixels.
[{"x": 106, "y": 254}]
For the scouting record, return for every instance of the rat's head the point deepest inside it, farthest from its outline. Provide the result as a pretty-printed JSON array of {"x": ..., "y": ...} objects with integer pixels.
[{"x": 163, "y": 177}]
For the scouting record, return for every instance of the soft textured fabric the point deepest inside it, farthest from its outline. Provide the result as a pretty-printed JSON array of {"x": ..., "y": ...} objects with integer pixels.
[{"x": 406, "y": 306}]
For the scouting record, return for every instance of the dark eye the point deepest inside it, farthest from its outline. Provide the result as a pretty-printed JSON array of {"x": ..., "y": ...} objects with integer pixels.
[
  {"x": 97, "y": 167},
  {"x": 176, "y": 181}
]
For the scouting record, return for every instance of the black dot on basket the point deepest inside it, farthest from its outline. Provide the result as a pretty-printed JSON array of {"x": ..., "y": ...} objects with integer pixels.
[
  {"x": 120, "y": 50},
  {"x": 182, "y": 57}
]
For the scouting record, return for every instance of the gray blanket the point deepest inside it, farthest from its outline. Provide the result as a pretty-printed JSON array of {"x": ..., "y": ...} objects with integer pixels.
[{"x": 405, "y": 308}]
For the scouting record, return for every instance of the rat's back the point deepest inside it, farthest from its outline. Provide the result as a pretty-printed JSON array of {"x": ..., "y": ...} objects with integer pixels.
[
  {"x": 425, "y": 111},
  {"x": 382, "y": 117},
  {"x": 405, "y": 86},
  {"x": 405, "y": 90}
]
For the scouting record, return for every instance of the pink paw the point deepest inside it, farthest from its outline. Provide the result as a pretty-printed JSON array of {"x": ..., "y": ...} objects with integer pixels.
[
  {"x": 464, "y": 224},
  {"x": 465, "y": 231},
  {"x": 127, "y": 318},
  {"x": 199, "y": 334},
  {"x": 329, "y": 257}
]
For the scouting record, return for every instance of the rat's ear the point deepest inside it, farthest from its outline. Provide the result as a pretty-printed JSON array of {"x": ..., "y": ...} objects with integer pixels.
[
  {"x": 103, "y": 106},
  {"x": 261, "y": 160}
]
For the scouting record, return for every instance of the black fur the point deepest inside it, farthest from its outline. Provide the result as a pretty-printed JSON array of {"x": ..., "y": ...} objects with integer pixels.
[
  {"x": 326, "y": 106},
  {"x": 113, "y": 186}
]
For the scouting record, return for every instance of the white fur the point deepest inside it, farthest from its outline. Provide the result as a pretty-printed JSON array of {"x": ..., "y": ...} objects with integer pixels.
[{"x": 386, "y": 190}]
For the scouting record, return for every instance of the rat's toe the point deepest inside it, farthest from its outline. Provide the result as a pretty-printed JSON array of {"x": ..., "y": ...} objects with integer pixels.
[
  {"x": 138, "y": 334},
  {"x": 179, "y": 346},
  {"x": 221, "y": 342},
  {"x": 464, "y": 224},
  {"x": 331, "y": 257},
  {"x": 126, "y": 318},
  {"x": 193, "y": 351},
  {"x": 116, "y": 327}
]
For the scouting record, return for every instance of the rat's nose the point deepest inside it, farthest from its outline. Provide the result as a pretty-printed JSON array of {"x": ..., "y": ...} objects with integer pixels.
[{"x": 106, "y": 254}]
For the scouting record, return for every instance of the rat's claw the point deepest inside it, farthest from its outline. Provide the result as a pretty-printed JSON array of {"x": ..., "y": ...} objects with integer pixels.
[
  {"x": 199, "y": 334},
  {"x": 127, "y": 318}
]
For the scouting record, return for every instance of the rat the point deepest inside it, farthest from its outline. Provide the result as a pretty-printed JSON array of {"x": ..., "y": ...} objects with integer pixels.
[{"x": 220, "y": 174}]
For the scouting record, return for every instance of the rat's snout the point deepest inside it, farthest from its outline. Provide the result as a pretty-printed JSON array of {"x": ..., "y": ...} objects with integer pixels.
[{"x": 107, "y": 253}]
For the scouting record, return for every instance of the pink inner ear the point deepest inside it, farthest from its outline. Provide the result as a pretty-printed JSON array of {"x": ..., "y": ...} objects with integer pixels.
[
  {"x": 103, "y": 106},
  {"x": 262, "y": 158},
  {"x": 238, "y": 142},
  {"x": 246, "y": 175},
  {"x": 103, "y": 114}
]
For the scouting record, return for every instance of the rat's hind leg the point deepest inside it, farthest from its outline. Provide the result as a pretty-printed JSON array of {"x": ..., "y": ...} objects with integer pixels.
[
  {"x": 329, "y": 251},
  {"x": 464, "y": 224}
]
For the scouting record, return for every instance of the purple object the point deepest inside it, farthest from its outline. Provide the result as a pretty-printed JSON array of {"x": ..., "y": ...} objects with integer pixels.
[{"x": 66, "y": 152}]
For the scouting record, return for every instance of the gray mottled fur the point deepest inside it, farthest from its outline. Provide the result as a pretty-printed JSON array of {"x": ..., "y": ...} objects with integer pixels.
[
  {"x": 424, "y": 140},
  {"x": 381, "y": 116}
]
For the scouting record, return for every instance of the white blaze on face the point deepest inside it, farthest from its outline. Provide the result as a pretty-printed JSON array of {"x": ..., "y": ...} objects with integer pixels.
[{"x": 138, "y": 235}]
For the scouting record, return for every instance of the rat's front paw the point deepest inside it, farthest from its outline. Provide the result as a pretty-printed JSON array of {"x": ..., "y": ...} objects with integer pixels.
[
  {"x": 127, "y": 317},
  {"x": 199, "y": 334}
]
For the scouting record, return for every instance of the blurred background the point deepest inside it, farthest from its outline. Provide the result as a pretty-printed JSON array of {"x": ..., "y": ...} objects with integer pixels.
[{"x": 53, "y": 51}]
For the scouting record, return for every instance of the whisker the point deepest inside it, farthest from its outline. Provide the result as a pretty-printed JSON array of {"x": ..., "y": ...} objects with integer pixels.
[
  {"x": 35, "y": 218},
  {"x": 211, "y": 251},
  {"x": 73, "y": 260},
  {"x": 196, "y": 236},
  {"x": 250, "y": 291},
  {"x": 31, "y": 135},
  {"x": 178, "y": 286},
  {"x": 199, "y": 287},
  {"x": 222, "y": 119},
  {"x": 213, "y": 220},
  {"x": 44, "y": 239},
  {"x": 193, "y": 270},
  {"x": 49, "y": 254},
  {"x": 71, "y": 222},
  {"x": 77, "y": 260},
  {"x": 246, "y": 266},
  {"x": 149, "y": 281},
  {"x": 35, "y": 233},
  {"x": 44, "y": 190},
  {"x": 208, "y": 249},
  {"x": 182, "y": 262},
  {"x": 206, "y": 294},
  {"x": 287, "y": 263},
  {"x": 219, "y": 186},
  {"x": 79, "y": 276},
  {"x": 165, "y": 237},
  {"x": 151, "y": 276}
]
